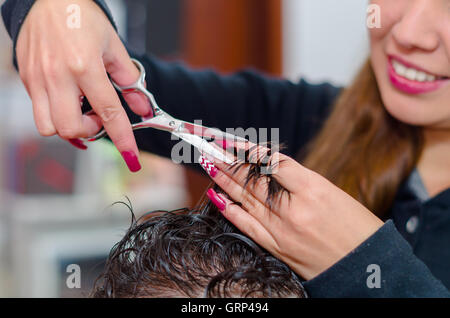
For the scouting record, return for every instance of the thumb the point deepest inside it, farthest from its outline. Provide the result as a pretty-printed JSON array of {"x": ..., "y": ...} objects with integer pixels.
[{"x": 123, "y": 72}]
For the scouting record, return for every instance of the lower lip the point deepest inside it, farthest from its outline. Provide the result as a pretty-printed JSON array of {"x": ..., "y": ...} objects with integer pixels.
[{"x": 413, "y": 87}]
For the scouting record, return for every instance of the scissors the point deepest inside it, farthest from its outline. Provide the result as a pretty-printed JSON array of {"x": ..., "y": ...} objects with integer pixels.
[{"x": 191, "y": 133}]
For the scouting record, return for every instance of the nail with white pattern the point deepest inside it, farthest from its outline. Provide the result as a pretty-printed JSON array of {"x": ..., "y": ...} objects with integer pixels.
[{"x": 208, "y": 166}]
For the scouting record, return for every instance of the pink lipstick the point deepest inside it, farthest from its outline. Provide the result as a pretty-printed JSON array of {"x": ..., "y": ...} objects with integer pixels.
[{"x": 411, "y": 79}]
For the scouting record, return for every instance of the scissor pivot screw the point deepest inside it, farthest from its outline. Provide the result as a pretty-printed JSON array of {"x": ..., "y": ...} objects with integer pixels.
[{"x": 172, "y": 123}]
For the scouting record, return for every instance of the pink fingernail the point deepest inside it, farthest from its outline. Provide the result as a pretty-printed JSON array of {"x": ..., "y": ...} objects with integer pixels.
[
  {"x": 131, "y": 160},
  {"x": 216, "y": 200},
  {"x": 78, "y": 143},
  {"x": 208, "y": 166},
  {"x": 225, "y": 144}
]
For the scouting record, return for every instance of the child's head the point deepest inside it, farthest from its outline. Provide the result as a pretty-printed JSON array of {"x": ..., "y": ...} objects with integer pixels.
[{"x": 196, "y": 253}]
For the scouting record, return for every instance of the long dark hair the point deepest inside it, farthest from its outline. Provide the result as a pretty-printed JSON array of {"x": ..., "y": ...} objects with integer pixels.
[{"x": 364, "y": 150}]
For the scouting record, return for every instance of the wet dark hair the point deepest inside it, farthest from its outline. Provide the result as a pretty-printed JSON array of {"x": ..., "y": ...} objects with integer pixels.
[{"x": 196, "y": 253}]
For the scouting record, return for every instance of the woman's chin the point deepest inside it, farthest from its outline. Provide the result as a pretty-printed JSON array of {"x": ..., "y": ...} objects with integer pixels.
[{"x": 414, "y": 113}]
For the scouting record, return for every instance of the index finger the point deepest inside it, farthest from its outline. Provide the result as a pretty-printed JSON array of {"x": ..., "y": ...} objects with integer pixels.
[
  {"x": 103, "y": 98},
  {"x": 271, "y": 162}
]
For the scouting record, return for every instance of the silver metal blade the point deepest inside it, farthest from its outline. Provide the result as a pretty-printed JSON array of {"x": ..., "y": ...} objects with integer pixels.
[
  {"x": 203, "y": 131},
  {"x": 204, "y": 147}
]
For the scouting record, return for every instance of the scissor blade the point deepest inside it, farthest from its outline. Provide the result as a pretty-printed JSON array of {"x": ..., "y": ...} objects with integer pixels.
[
  {"x": 210, "y": 132},
  {"x": 162, "y": 121},
  {"x": 204, "y": 147}
]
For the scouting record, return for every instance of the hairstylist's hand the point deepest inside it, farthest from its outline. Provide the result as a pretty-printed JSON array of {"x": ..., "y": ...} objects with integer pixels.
[
  {"x": 317, "y": 227},
  {"x": 59, "y": 63}
]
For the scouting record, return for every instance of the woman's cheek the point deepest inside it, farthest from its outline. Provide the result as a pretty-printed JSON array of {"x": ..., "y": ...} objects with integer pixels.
[{"x": 390, "y": 13}]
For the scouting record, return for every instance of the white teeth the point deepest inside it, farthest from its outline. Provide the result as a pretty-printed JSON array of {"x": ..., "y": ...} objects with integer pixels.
[
  {"x": 431, "y": 78},
  {"x": 400, "y": 69},
  {"x": 411, "y": 73},
  {"x": 421, "y": 76}
]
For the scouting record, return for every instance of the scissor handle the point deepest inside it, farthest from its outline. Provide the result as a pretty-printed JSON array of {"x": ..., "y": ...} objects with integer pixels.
[
  {"x": 160, "y": 119},
  {"x": 139, "y": 86}
]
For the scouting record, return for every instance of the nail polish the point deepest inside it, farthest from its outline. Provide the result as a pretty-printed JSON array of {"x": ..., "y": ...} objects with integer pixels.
[
  {"x": 216, "y": 200},
  {"x": 131, "y": 160},
  {"x": 208, "y": 166},
  {"x": 225, "y": 144},
  {"x": 78, "y": 143}
]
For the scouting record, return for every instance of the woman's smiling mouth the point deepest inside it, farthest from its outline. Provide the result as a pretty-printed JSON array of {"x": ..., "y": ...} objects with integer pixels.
[{"x": 411, "y": 79}]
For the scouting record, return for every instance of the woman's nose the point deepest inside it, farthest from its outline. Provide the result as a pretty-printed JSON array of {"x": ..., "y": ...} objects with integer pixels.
[{"x": 418, "y": 26}]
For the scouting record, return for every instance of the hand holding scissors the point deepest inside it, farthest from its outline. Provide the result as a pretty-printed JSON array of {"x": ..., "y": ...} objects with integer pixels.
[{"x": 196, "y": 135}]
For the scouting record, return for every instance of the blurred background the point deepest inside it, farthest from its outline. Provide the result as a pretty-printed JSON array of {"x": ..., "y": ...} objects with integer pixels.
[{"x": 56, "y": 203}]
